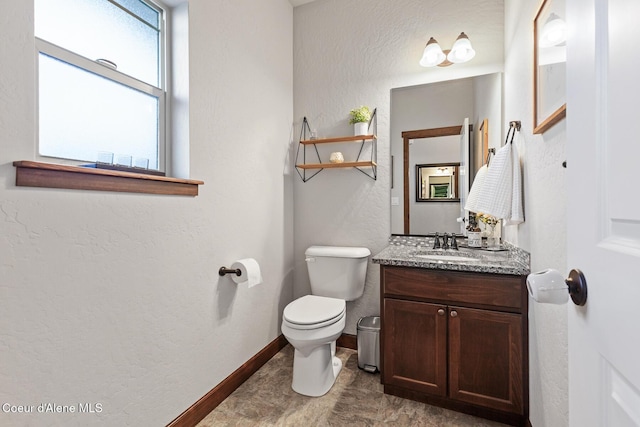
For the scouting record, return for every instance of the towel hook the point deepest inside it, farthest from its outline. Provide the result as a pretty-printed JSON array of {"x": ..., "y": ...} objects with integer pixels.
[
  {"x": 490, "y": 152},
  {"x": 511, "y": 132},
  {"x": 515, "y": 126}
]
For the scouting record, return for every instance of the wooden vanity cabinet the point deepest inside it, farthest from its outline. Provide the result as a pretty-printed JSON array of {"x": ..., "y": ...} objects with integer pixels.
[
  {"x": 415, "y": 350},
  {"x": 457, "y": 340}
]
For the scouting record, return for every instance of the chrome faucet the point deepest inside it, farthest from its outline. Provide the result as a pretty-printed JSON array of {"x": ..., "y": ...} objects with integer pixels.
[
  {"x": 445, "y": 241},
  {"x": 454, "y": 242}
]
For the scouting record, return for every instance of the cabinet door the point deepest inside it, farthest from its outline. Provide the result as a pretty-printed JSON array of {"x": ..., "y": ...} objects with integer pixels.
[
  {"x": 415, "y": 346},
  {"x": 485, "y": 358}
]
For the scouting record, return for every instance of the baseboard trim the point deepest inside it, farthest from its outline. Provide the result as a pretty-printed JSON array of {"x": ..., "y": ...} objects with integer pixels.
[
  {"x": 347, "y": 341},
  {"x": 207, "y": 403}
]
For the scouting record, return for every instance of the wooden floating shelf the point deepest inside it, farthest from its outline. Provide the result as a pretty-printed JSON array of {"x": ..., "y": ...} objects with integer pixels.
[
  {"x": 358, "y": 138},
  {"x": 337, "y": 165},
  {"x": 367, "y": 167}
]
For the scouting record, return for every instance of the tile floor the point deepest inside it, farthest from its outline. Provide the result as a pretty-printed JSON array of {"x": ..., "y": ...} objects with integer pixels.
[{"x": 357, "y": 399}]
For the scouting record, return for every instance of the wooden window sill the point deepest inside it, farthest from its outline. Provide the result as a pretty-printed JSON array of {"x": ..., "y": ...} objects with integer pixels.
[{"x": 49, "y": 175}]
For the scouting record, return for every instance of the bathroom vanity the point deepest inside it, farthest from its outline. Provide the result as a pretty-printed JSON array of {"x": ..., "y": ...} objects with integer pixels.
[{"x": 454, "y": 327}]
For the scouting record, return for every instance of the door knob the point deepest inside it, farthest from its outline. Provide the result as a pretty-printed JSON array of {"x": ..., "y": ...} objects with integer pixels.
[
  {"x": 441, "y": 312},
  {"x": 454, "y": 313},
  {"x": 577, "y": 287}
]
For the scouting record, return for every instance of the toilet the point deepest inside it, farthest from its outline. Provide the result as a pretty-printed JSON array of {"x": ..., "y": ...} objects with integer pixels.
[{"x": 313, "y": 323}]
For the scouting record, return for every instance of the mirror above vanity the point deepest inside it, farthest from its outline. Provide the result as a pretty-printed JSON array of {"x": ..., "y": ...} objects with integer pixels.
[
  {"x": 426, "y": 108},
  {"x": 437, "y": 182}
]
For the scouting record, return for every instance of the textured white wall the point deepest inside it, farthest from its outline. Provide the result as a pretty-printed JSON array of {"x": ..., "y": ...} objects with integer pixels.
[
  {"x": 114, "y": 298},
  {"x": 352, "y": 53},
  {"x": 543, "y": 233}
]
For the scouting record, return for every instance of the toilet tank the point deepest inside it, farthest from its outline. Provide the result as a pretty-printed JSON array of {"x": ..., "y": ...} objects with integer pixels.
[{"x": 337, "y": 271}]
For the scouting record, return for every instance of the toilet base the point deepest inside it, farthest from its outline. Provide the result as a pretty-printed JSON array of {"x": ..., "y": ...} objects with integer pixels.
[
  {"x": 315, "y": 367},
  {"x": 314, "y": 374}
]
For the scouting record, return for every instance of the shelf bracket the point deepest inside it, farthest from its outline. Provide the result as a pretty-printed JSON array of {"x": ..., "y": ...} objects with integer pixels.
[
  {"x": 374, "y": 149},
  {"x": 303, "y": 136}
]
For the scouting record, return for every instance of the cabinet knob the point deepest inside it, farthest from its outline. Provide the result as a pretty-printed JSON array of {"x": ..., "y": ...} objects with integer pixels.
[
  {"x": 454, "y": 313},
  {"x": 441, "y": 312}
]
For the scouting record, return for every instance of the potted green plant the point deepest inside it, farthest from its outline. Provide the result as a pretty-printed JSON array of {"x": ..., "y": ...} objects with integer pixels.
[{"x": 359, "y": 117}]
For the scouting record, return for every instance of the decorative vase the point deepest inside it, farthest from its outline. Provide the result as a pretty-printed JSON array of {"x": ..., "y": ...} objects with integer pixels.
[
  {"x": 360, "y": 128},
  {"x": 336, "y": 157},
  {"x": 493, "y": 242}
]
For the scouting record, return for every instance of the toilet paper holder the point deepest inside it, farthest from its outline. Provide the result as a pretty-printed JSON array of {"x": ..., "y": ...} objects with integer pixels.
[
  {"x": 576, "y": 283},
  {"x": 224, "y": 271}
]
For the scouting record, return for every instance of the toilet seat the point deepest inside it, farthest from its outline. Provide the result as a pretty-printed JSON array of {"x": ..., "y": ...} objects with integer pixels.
[{"x": 313, "y": 312}]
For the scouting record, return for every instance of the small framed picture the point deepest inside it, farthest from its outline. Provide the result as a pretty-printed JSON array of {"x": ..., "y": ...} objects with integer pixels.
[{"x": 549, "y": 65}]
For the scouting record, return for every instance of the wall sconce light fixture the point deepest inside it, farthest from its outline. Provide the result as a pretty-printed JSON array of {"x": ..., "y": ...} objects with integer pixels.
[
  {"x": 554, "y": 32},
  {"x": 460, "y": 52}
]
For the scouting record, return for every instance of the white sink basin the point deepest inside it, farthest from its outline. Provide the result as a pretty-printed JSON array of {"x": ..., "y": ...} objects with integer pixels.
[{"x": 447, "y": 257}]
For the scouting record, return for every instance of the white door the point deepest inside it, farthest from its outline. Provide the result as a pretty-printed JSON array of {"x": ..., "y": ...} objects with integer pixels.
[
  {"x": 463, "y": 179},
  {"x": 603, "y": 158}
]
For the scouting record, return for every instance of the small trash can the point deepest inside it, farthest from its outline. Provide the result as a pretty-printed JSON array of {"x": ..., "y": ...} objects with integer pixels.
[{"x": 368, "y": 339}]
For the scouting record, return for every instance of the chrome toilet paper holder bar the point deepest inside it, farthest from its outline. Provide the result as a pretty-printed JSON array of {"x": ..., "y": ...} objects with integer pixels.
[{"x": 224, "y": 271}]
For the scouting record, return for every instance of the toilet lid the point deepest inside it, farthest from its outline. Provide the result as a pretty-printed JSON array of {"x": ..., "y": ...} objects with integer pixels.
[{"x": 313, "y": 309}]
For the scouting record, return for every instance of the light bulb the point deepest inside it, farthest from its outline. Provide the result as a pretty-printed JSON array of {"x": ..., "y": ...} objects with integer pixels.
[
  {"x": 554, "y": 31},
  {"x": 432, "y": 55},
  {"x": 461, "y": 50}
]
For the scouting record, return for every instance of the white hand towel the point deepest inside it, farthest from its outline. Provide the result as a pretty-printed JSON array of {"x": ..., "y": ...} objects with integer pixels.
[
  {"x": 497, "y": 191},
  {"x": 517, "y": 214},
  {"x": 476, "y": 188}
]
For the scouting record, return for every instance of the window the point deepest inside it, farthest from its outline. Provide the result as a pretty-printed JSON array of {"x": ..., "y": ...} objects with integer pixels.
[{"x": 101, "y": 79}]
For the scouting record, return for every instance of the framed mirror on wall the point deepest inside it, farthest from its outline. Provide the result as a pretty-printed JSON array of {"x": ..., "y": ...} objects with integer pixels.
[
  {"x": 437, "y": 182},
  {"x": 428, "y": 118},
  {"x": 549, "y": 65}
]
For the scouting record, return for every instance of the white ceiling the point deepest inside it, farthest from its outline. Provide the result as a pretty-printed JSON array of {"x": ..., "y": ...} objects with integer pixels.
[
  {"x": 174, "y": 3},
  {"x": 299, "y": 2}
]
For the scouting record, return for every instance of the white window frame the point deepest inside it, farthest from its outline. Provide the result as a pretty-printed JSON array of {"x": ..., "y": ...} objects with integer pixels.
[{"x": 97, "y": 68}]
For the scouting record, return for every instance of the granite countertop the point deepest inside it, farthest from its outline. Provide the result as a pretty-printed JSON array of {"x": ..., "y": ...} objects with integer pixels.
[{"x": 415, "y": 251}]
